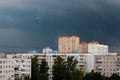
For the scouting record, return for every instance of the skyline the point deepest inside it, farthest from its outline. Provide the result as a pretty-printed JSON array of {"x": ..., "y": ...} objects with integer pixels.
[{"x": 38, "y": 23}]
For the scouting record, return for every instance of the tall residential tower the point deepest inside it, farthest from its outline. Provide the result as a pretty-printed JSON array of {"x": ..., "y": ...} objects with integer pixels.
[{"x": 67, "y": 44}]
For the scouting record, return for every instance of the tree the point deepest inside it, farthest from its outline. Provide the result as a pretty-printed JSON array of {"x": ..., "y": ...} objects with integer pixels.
[
  {"x": 43, "y": 70},
  {"x": 71, "y": 66},
  {"x": 77, "y": 75},
  {"x": 26, "y": 77},
  {"x": 97, "y": 76},
  {"x": 59, "y": 69},
  {"x": 17, "y": 78},
  {"x": 107, "y": 78},
  {"x": 114, "y": 77},
  {"x": 35, "y": 68},
  {"x": 93, "y": 76},
  {"x": 88, "y": 76}
]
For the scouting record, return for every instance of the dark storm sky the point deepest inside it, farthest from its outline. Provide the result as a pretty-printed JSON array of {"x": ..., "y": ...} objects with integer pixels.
[{"x": 38, "y": 23}]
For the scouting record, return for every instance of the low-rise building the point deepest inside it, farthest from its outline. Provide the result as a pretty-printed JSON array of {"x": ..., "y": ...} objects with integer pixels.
[{"x": 47, "y": 50}]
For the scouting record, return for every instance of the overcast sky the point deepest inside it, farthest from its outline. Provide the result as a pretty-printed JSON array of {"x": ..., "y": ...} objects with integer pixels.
[{"x": 38, "y": 23}]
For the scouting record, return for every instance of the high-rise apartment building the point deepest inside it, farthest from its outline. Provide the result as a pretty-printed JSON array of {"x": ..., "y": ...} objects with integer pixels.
[
  {"x": 83, "y": 47},
  {"x": 2, "y": 54},
  {"x": 67, "y": 44},
  {"x": 98, "y": 49}
]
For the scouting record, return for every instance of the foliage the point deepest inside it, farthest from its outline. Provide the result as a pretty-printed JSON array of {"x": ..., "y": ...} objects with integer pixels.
[
  {"x": 59, "y": 69},
  {"x": 114, "y": 77},
  {"x": 17, "y": 78},
  {"x": 43, "y": 70},
  {"x": 93, "y": 76},
  {"x": 43, "y": 66},
  {"x": 39, "y": 71},
  {"x": 77, "y": 75},
  {"x": 64, "y": 70},
  {"x": 71, "y": 67},
  {"x": 25, "y": 77},
  {"x": 71, "y": 63},
  {"x": 35, "y": 68}
]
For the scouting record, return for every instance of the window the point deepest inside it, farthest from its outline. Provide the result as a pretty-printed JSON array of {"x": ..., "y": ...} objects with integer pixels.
[
  {"x": 0, "y": 76},
  {"x": 22, "y": 70},
  {"x": 22, "y": 61}
]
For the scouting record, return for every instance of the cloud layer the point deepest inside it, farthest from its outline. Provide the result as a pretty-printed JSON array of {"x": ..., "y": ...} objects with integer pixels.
[{"x": 38, "y": 23}]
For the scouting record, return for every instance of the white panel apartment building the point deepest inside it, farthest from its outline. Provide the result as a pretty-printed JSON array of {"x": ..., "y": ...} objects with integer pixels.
[
  {"x": 97, "y": 49},
  {"x": 6, "y": 69},
  {"x": 10, "y": 67},
  {"x": 47, "y": 50},
  {"x": 85, "y": 61},
  {"x": 106, "y": 64},
  {"x": 22, "y": 67}
]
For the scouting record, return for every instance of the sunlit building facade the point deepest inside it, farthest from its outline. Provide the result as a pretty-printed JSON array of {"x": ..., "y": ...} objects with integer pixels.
[
  {"x": 98, "y": 49},
  {"x": 67, "y": 44},
  {"x": 107, "y": 64},
  {"x": 83, "y": 47}
]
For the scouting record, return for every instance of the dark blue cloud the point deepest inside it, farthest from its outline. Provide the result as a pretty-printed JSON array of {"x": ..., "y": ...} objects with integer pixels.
[{"x": 38, "y": 23}]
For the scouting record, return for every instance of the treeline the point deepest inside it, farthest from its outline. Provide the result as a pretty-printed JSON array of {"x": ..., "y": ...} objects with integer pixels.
[
  {"x": 39, "y": 71},
  {"x": 65, "y": 70}
]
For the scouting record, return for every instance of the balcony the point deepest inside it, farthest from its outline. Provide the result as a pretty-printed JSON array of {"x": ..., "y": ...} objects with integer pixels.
[
  {"x": 100, "y": 67},
  {"x": 99, "y": 60}
]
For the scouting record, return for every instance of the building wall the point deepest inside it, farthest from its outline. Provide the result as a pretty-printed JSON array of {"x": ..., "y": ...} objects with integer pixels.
[
  {"x": 97, "y": 49},
  {"x": 47, "y": 50},
  {"x": 118, "y": 65},
  {"x": 6, "y": 69},
  {"x": 83, "y": 47},
  {"x": 68, "y": 44},
  {"x": 107, "y": 64},
  {"x": 2, "y": 55},
  {"x": 22, "y": 67},
  {"x": 21, "y": 64},
  {"x": 90, "y": 63},
  {"x": 84, "y": 60}
]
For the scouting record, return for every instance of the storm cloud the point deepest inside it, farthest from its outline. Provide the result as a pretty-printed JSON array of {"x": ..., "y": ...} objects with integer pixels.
[{"x": 38, "y": 23}]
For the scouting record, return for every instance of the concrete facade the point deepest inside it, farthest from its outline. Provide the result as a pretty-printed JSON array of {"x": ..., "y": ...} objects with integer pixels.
[
  {"x": 68, "y": 44},
  {"x": 107, "y": 64},
  {"x": 83, "y": 47},
  {"x": 98, "y": 49}
]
